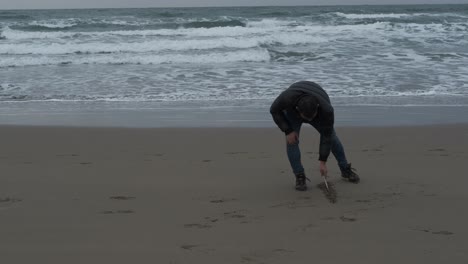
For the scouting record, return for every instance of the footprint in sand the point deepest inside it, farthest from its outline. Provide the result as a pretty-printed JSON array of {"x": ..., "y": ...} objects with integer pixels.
[
  {"x": 239, "y": 215},
  {"x": 122, "y": 198},
  {"x": 236, "y": 152},
  {"x": 155, "y": 155},
  {"x": 188, "y": 247},
  {"x": 305, "y": 228},
  {"x": 118, "y": 212},
  {"x": 234, "y": 214},
  {"x": 242, "y": 216},
  {"x": 303, "y": 203},
  {"x": 436, "y": 150},
  {"x": 441, "y": 151},
  {"x": 342, "y": 218},
  {"x": 196, "y": 225},
  {"x": 363, "y": 201},
  {"x": 222, "y": 200},
  {"x": 374, "y": 149},
  {"x": 10, "y": 200},
  {"x": 347, "y": 219},
  {"x": 243, "y": 155},
  {"x": 446, "y": 233},
  {"x": 67, "y": 155},
  {"x": 208, "y": 221},
  {"x": 211, "y": 219},
  {"x": 196, "y": 248}
]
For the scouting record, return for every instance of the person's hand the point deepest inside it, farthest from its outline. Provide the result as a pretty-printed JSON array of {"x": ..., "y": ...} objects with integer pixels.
[
  {"x": 292, "y": 138},
  {"x": 323, "y": 168}
]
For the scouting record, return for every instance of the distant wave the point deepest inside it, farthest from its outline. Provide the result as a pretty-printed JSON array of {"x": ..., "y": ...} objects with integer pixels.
[
  {"x": 298, "y": 56},
  {"x": 396, "y": 15},
  {"x": 254, "y": 27},
  {"x": 159, "y": 45},
  {"x": 212, "y": 24},
  {"x": 9, "y": 16},
  {"x": 275, "y": 14},
  {"x": 261, "y": 27},
  {"x": 363, "y": 16},
  {"x": 32, "y": 28},
  {"x": 85, "y": 27},
  {"x": 103, "y": 25},
  {"x": 252, "y": 55}
]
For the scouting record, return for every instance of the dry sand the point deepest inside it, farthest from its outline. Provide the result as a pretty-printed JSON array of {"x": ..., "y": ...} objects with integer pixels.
[{"x": 215, "y": 195}]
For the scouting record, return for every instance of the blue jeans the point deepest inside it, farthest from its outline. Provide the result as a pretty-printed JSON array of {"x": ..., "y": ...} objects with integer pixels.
[{"x": 294, "y": 153}]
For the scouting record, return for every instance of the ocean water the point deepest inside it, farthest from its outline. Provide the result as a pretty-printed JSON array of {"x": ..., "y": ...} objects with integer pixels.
[{"x": 226, "y": 65}]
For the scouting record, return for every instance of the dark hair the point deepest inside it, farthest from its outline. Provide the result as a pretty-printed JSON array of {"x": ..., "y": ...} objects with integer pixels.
[{"x": 307, "y": 106}]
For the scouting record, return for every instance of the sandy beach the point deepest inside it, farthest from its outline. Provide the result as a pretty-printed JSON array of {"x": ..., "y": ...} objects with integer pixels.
[{"x": 226, "y": 195}]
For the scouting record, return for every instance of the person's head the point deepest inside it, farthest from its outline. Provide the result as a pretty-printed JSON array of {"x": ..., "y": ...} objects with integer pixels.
[{"x": 307, "y": 107}]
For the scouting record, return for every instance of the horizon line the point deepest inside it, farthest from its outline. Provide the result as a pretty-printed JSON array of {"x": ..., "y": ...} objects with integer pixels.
[{"x": 221, "y": 6}]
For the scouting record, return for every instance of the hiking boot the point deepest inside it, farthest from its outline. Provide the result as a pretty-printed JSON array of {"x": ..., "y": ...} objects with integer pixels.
[
  {"x": 350, "y": 174},
  {"x": 301, "y": 182}
]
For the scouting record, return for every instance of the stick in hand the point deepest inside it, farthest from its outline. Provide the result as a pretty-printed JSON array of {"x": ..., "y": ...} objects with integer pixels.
[{"x": 324, "y": 176}]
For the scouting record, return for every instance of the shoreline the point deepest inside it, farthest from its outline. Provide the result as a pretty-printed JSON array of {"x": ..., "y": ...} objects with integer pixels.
[
  {"x": 273, "y": 127},
  {"x": 151, "y": 116}
]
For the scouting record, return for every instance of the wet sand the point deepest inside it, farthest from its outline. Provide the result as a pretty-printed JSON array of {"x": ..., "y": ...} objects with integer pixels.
[{"x": 226, "y": 195}]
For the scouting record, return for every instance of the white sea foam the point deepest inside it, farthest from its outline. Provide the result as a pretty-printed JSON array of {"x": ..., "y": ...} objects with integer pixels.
[
  {"x": 215, "y": 94},
  {"x": 159, "y": 45},
  {"x": 261, "y": 34},
  {"x": 263, "y": 27},
  {"x": 268, "y": 23},
  {"x": 187, "y": 32},
  {"x": 251, "y": 55},
  {"x": 55, "y": 23},
  {"x": 143, "y": 47},
  {"x": 182, "y": 32},
  {"x": 364, "y": 16},
  {"x": 396, "y": 15}
]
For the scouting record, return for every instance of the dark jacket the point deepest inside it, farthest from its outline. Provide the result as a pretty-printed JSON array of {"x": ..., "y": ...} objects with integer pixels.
[{"x": 286, "y": 103}]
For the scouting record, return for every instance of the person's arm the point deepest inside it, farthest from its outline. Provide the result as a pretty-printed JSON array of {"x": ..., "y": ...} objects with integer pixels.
[
  {"x": 280, "y": 104},
  {"x": 325, "y": 141}
]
